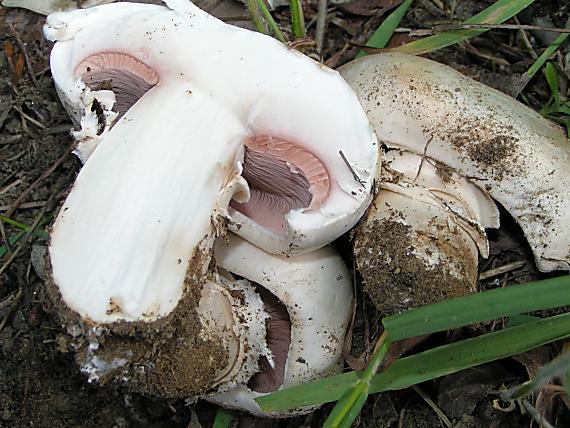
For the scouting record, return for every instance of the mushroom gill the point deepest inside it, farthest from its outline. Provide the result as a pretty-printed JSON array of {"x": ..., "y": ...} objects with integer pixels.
[
  {"x": 126, "y": 76},
  {"x": 282, "y": 176},
  {"x": 278, "y": 324}
]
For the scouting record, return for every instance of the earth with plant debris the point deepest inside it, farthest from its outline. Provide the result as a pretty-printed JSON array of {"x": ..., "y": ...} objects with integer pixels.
[{"x": 40, "y": 384}]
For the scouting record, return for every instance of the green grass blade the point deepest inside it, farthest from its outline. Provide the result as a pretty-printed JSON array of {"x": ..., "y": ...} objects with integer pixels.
[
  {"x": 492, "y": 304},
  {"x": 548, "y": 52},
  {"x": 309, "y": 394},
  {"x": 24, "y": 227},
  {"x": 297, "y": 19},
  {"x": 427, "y": 365},
  {"x": 517, "y": 320},
  {"x": 552, "y": 80},
  {"x": 349, "y": 406},
  {"x": 557, "y": 367},
  {"x": 270, "y": 21},
  {"x": 471, "y": 352},
  {"x": 255, "y": 16},
  {"x": 497, "y": 13},
  {"x": 12, "y": 241},
  {"x": 223, "y": 419},
  {"x": 384, "y": 33}
]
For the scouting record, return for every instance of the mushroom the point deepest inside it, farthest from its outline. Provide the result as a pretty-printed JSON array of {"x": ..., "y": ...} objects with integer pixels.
[
  {"x": 451, "y": 145},
  {"x": 45, "y": 7},
  {"x": 176, "y": 145},
  {"x": 309, "y": 299}
]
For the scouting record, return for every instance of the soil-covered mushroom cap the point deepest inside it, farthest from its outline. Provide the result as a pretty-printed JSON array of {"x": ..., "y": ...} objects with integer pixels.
[{"x": 508, "y": 150}]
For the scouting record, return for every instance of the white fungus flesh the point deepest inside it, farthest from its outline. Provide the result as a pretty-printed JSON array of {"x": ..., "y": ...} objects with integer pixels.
[
  {"x": 173, "y": 106},
  {"x": 509, "y": 151},
  {"x": 316, "y": 291}
]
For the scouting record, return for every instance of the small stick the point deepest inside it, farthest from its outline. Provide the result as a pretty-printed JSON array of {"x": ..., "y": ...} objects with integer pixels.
[
  {"x": 25, "y": 52},
  {"x": 24, "y": 239},
  {"x": 321, "y": 24},
  {"x": 25, "y": 205},
  {"x": 14, "y": 305},
  {"x": 354, "y": 175},
  {"x": 539, "y": 419},
  {"x": 5, "y": 239},
  {"x": 442, "y": 416},
  {"x": 501, "y": 270},
  {"x": 29, "y": 118},
  {"x": 14, "y": 206}
]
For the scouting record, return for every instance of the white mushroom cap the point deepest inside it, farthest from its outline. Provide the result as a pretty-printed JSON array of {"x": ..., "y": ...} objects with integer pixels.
[
  {"x": 317, "y": 293},
  {"x": 521, "y": 159}
]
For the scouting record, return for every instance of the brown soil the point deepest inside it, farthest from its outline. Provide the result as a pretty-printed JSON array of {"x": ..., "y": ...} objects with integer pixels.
[
  {"x": 40, "y": 383},
  {"x": 396, "y": 278}
]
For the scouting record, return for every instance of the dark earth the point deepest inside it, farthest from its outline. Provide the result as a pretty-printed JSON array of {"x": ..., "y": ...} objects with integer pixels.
[{"x": 40, "y": 385}]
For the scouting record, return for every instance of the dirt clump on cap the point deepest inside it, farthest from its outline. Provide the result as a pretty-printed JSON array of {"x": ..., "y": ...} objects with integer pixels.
[
  {"x": 168, "y": 357},
  {"x": 397, "y": 279}
]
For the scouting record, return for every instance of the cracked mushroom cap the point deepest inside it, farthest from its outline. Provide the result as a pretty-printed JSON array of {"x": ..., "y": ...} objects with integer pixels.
[{"x": 503, "y": 147}]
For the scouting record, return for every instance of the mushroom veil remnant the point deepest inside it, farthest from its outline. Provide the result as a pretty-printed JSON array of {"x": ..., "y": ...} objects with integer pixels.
[
  {"x": 452, "y": 146},
  {"x": 187, "y": 125}
]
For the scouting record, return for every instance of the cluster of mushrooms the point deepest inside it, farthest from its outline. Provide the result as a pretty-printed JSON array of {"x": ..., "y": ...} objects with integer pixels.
[{"x": 191, "y": 256}]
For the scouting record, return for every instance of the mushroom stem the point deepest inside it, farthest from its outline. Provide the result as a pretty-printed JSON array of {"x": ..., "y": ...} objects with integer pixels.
[
  {"x": 420, "y": 241},
  {"x": 110, "y": 222}
]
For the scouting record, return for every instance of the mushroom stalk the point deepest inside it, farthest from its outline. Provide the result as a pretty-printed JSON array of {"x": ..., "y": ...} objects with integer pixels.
[
  {"x": 422, "y": 235},
  {"x": 144, "y": 243}
]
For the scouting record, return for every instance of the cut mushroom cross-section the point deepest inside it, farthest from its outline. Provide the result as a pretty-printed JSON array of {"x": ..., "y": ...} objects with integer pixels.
[
  {"x": 179, "y": 116},
  {"x": 298, "y": 116},
  {"x": 171, "y": 163},
  {"x": 309, "y": 302}
]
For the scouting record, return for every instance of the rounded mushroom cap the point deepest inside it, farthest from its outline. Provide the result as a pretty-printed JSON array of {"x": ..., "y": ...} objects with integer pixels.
[
  {"x": 521, "y": 159},
  {"x": 316, "y": 291}
]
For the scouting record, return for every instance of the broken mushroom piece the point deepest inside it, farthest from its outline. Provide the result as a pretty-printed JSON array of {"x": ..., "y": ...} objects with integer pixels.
[
  {"x": 265, "y": 322},
  {"x": 458, "y": 126},
  {"x": 173, "y": 106},
  {"x": 309, "y": 302}
]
